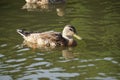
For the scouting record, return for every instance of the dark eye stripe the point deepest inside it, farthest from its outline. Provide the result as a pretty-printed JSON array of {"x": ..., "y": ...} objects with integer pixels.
[{"x": 71, "y": 29}]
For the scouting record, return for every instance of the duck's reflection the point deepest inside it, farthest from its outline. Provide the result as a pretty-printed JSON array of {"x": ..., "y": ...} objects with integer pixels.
[
  {"x": 60, "y": 11},
  {"x": 30, "y": 6},
  {"x": 46, "y": 1},
  {"x": 58, "y": 8},
  {"x": 67, "y": 53}
]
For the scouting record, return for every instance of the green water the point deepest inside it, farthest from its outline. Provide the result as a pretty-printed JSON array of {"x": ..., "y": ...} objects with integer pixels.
[{"x": 97, "y": 56}]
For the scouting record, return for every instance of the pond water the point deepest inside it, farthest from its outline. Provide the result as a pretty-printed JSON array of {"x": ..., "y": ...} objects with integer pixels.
[{"x": 97, "y": 56}]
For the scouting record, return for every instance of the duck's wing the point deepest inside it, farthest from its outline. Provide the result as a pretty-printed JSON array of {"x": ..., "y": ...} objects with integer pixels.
[
  {"x": 51, "y": 35},
  {"x": 53, "y": 38}
]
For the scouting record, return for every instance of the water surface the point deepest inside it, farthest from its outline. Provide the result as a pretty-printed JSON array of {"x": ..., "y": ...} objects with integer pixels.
[{"x": 95, "y": 58}]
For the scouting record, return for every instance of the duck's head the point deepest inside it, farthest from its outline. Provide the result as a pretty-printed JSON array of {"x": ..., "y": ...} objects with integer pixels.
[{"x": 69, "y": 32}]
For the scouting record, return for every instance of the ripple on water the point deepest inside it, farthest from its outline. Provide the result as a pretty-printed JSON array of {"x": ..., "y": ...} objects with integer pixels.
[
  {"x": 40, "y": 54},
  {"x": 1, "y": 55},
  {"x": 23, "y": 49},
  {"x": 39, "y": 64},
  {"x": 111, "y": 59},
  {"x": 5, "y": 77},
  {"x": 101, "y": 78},
  {"x": 43, "y": 71},
  {"x": 3, "y": 45},
  {"x": 115, "y": 62},
  {"x": 16, "y": 60},
  {"x": 51, "y": 76},
  {"x": 13, "y": 66},
  {"x": 108, "y": 58},
  {"x": 83, "y": 66},
  {"x": 89, "y": 60},
  {"x": 102, "y": 74},
  {"x": 38, "y": 59}
]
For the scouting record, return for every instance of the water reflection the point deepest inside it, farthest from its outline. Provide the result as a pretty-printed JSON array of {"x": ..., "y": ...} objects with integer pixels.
[
  {"x": 67, "y": 52},
  {"x": 30, "y": 6},
  {"x": 34, "y": 65},
  {"x": 5, "y": 77},
  {"x": 50, "y": 74},
  {"x": 98, "y": 21},
  {"x": 46, "y": 1},
  {"x": 59, "y": 8}
]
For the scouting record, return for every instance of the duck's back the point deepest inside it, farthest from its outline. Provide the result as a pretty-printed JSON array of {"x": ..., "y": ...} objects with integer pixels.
[
  {"x": 51, "y": 39},
  {"x": 46, "y": 39},
  {"x": 56, "y": 1}
]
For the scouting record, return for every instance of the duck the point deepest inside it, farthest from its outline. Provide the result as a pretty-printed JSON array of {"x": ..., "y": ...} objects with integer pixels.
[
  {"x": 51, "y": 38},
  {"x": 31, "y": 1},
  {"x": 45, "y": 1}
]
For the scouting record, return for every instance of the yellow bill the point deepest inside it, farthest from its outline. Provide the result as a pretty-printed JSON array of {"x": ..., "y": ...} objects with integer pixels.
[{"x": 78, "y": 37}]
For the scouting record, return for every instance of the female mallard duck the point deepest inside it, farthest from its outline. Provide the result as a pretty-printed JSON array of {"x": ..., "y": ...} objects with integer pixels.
[
  {"x": 31, "y": 1},
  {"x": 51, "y": 38},
  {"x": 45, "y": 1}
]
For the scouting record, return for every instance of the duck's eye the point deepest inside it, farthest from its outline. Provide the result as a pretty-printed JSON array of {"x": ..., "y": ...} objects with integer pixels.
[{"x": 71, "y": 29}]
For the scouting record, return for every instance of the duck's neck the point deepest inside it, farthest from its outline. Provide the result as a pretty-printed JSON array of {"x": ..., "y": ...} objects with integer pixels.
[
  {"x": 67, "y": 37},
  {"x": 70, "y": 40}
]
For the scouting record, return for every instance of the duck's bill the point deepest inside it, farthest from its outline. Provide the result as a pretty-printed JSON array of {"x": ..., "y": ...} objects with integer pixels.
[{"x": 78, "y": 37}]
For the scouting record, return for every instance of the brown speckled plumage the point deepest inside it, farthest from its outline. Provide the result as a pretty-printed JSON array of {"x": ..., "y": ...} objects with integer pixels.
[{"x": 51, "y": 38}]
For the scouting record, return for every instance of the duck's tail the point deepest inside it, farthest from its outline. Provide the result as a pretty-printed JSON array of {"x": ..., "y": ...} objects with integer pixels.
[{"x": 23, "y": 33}]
